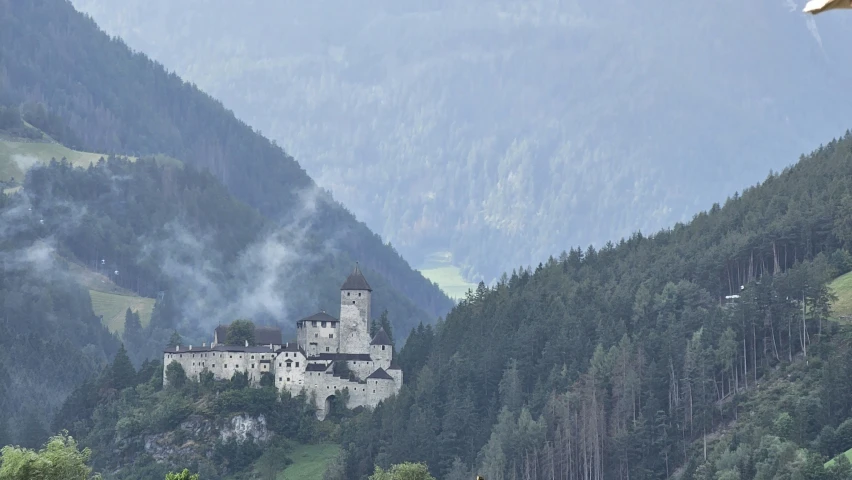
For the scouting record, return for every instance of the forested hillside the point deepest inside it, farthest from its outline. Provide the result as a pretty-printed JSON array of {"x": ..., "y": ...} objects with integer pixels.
[
  {"x": 50, "y": 340},
  {"x": 503, "y": 131},
  {"x": 621, "y": 362},
  {"x": 94, "y": 94},
  {"x": 176, "y": 231}
]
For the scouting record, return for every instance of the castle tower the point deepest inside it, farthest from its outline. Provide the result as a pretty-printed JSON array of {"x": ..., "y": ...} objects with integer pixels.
[{"x": 355, "y": 314}]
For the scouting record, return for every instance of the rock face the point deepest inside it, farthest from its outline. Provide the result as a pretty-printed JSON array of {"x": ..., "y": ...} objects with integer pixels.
[
  {"x": 243, "y": 427},
  {"x": 196, "y": 436}
]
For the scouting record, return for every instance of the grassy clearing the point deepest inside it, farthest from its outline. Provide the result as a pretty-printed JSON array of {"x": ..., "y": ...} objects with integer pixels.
[
  {"x": 842, "y": 287},
  {"x": 108, "y": 299},
  {"x": 309, "y": 462},
  {"x": 439, "y": 268},
  {"x": 847, "y": 453},
  {"x": 16, "y": 157},
  {"x": 113, "y": 306}
]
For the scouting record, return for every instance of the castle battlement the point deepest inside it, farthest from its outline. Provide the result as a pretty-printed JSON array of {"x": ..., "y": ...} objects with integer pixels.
[{"x": 329, "y": 354}]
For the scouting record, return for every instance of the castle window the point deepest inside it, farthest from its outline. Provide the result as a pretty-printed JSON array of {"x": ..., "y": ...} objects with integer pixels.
[
  {"x": 279, "y": 364},
  {"x": 252, "y": 357},
  {"x": 353, "y": 302},
  {"x": 347, "y": 294},
  {"x": 279, "y": 379},
  {"x": 214, "y": 365},
  {"x": 326, "y": 349},
  {"x": 313, "y": 324},
  {"x": 230, "y": 356},
  {"x": 323, "y": 324},
  {"x": 383, "y": 347},
  {"x": 226, "y": 365},
  {"x": 374, "y": 391},
  {"x": 252, "y": 365},
  {"x": 359, "y": 294},
  {"x": 297, "y": 364},
  {"x": 288, "y": 379},
  {"x": 316, "y": 335},
  {"x": 330, "y": 335}
]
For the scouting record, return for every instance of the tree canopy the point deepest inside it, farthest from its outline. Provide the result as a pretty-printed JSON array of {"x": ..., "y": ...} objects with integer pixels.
[
  {"x": 240, "y": 332},
  {"x": 59, "y": 459}
]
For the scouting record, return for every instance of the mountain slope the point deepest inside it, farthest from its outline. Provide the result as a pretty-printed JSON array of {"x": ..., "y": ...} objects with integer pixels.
[
  {"x": 620, "y": 362},
  {"x": 505, "y": 130},
  {"x": 115, "y": 101}
]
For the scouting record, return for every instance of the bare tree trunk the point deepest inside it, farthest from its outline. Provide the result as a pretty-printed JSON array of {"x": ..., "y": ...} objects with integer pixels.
[{"x": 745, "y": 364}]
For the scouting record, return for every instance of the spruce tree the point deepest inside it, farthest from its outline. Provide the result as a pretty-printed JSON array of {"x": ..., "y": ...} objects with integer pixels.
[{"x": 123, "y": 373}]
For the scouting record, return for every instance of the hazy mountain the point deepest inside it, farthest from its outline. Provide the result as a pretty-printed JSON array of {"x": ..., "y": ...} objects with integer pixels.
[{"x": 512, "y": 130}]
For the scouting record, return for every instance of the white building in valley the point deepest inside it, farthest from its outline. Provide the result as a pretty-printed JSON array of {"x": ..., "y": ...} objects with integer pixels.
[{"x": 329, "y": 354}]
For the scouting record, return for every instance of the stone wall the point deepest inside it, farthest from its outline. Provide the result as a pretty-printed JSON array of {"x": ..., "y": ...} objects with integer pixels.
[
  {"x": 354, "y": 321},
  {"x": 292, "y": 377},
  {"x": 318, "y": 339}
]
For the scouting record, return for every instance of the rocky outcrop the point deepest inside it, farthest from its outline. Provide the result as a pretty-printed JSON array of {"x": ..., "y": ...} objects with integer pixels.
[{"x": 196, "y": 436}]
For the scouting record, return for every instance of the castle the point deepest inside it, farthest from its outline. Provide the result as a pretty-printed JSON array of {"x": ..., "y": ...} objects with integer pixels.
[{"x": 329, "y": 354}]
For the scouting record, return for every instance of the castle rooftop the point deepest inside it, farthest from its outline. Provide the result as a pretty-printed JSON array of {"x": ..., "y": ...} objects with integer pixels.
[
  {"x": 380, "y": 374},
  {"x": 262, "y": 335},
  {"x": 319, "y": 317},
  {"x": 220, "y": 348},
  {"x": 356, "y": 281},
  {"x": 381, "y": 338}
]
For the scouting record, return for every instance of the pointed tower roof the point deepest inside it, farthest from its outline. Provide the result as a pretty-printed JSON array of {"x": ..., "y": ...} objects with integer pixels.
[
  {"x": 356, "y": 281},
  {"x": 379, "y": 374},
  {"x": 381, "y": 338}
]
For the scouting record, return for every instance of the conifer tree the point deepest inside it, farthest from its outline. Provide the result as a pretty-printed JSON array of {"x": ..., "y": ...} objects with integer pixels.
[
  {"x": 175, "y": 339},
  {"x": 123, "y": 373}
]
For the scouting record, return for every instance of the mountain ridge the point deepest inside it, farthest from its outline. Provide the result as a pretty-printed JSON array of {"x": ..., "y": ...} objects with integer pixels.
[
  {"x": 117, "y": 101},
  {"x": 528, "y": 111}
]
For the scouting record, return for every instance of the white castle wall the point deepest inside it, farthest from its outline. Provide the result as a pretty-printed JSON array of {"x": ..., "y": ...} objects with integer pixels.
[
  {"x": 292, "y": 377},
  {"x": 381, "y": 355},
  {"x": 327, "y": 339},
  {"x": 354, "y": 321}
]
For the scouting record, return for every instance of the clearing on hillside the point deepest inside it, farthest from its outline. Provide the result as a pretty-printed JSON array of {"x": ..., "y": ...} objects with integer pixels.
[
  {"x": 113, "y": 306},
  {"x": 847, "y": 453},
  {"x": 439, "y": 268},
  {"x": 108, "y": 299},
  {"x": 18, "y": 156},
  {"x": 309, "y": 462},
  {"x": 842, "y": 287}
]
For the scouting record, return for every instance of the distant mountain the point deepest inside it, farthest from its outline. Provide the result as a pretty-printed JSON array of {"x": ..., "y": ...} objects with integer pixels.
[
  {"x": 92, "y": 93},
  {"x": 504, "y": 131}
]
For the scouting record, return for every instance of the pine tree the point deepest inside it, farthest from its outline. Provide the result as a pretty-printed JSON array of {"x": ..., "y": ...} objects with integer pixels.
[
  {"x": 175, "y": 339},
  {"x": 123, "y": 373}
]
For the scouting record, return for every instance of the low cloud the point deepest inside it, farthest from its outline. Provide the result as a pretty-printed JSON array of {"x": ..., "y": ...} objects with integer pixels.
[{"x": 259, "y": 284}]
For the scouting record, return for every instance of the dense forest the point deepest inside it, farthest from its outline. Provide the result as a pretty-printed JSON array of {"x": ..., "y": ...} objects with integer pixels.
[
  {"x": 50, "y": 340},
  {"x": 626, "y": 361},
  {"x": 504, "y": 131},
  {"x": 91, "y": 92},
  {"x": 637, "y": 360},
  {"x": 172, "y": 229}
]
